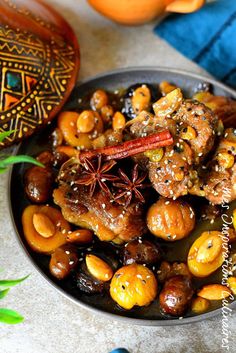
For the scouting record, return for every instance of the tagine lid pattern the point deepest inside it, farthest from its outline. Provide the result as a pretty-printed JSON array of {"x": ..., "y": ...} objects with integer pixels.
[{"x": 39, "y": 63}]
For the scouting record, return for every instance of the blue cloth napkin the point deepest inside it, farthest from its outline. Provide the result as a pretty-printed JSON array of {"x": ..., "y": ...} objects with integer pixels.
[{"x": 207, "y": 37}]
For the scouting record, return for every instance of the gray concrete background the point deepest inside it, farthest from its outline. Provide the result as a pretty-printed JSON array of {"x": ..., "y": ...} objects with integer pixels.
[{"x": 53, "y": 324}]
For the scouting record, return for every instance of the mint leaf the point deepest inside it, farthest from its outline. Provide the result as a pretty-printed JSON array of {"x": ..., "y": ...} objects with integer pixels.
[
  {"x": 9, "y": 316},
  {"x": 18, "y": 159},
  {"x": 4, "y": 292},
  {"x": 5, "y": 134},
  {"x": 11, "y": 282}
]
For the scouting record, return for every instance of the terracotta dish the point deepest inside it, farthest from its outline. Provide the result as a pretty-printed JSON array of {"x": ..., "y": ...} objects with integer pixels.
[
  {"x": 39, "y": 58},
  {"x": 135, "y": 12}
]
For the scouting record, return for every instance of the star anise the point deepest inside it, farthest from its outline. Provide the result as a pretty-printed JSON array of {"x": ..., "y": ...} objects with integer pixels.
[
  {"x": 129, "y": 188},
  {"x": 94, "y": 173}
]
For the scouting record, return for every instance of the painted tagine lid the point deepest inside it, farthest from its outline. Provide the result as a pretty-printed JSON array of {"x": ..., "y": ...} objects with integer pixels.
[{"x": 39, "y": 63}]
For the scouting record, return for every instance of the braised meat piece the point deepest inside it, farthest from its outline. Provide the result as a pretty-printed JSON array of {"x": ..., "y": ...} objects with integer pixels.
[
  {"x": 109, "y": 221},
  {"x": 219, "y": 183},
  {"x": 197, "y": 116},
  {"x": 171, "y": 177},
  {"x": 223, "y": 107},
  {"x": 97, "y": 211},
  {"x": 193, "y": 126}
]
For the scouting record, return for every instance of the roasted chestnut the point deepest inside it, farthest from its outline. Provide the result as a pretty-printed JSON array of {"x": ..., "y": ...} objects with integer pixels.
[
  {"x": 133, "y": 285},
  {"x": 170, "y": 220},
  {"x": 52, "y": 159},
  {"x": 63, "y": 260},
  {"x": 141, "y": 252},
  {"x": 176, "y": 295},
  {"x": 59, "y": 158},
  {"x": 87, "y": 283},
  {"x": 210, "y": 212},
  {"x": 168, "y": 270},
  {"x": 46, "y": 158},
  {"x": 38, "y": 184}
]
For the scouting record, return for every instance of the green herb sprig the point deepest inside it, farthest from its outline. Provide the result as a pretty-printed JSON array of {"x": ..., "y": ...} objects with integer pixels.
[
  {"x": 6, "y": 160},
  {"x": 9, "y": 316}
]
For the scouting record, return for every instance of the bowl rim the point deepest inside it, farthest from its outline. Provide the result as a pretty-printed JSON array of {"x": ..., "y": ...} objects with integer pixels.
[{"x": 109, "y": 315}]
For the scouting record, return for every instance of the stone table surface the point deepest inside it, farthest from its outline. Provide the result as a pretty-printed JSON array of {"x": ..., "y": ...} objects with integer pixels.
[{"x": 52, "y": 323}]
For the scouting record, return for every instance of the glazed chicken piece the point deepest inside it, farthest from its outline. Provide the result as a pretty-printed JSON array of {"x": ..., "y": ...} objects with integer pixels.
[
  {"x": 219, "y": 183},
  {"x": 193, "y": 125},
  {"x": 108, "y": 220}
]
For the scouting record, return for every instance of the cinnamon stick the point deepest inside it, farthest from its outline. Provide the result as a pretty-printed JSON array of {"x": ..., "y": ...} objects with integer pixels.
[{"x": 132, "y": 147}]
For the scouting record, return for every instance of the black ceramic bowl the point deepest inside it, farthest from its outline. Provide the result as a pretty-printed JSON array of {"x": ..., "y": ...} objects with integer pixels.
[{"x": 110, "y": 81}]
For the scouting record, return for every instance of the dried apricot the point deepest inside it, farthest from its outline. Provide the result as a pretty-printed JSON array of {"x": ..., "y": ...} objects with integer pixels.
[{"x": 35, "y": 236}]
